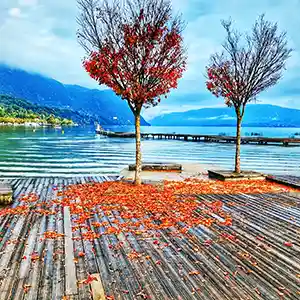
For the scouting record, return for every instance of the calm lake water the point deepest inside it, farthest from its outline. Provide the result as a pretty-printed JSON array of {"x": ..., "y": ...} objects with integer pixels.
[{"x": 79, "y": 151}]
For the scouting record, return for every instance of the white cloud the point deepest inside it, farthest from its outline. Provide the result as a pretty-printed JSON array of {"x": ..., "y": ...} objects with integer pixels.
[
  {"x": 15, "y": 12},
  {"x": 285, "y": 101},
  {"x": 45, "y": 43},
  {"x": 28, "y": 2},
  {"x": 40, "y": 36}
]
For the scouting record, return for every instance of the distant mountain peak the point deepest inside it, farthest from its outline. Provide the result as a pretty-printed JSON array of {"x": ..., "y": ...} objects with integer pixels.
[
  {"x": 255, "y": 115},
  {"x": 103, "y": 105}
]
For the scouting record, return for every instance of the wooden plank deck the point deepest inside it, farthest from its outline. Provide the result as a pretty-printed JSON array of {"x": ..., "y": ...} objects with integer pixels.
[
  {"x": 205, "y": 138},
  {"x": 249, "y": 260},
  {"x": 292, "y": 181}
]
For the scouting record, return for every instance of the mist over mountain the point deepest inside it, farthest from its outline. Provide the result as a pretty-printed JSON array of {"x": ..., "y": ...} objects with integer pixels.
[
  {"x": 260, "y": 115},
  {"x": 109, "y": 109},
  {"x": 102, "y": 105}
]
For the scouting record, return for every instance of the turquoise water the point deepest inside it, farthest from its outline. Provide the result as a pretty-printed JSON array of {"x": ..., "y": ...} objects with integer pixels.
[{"x": 79, "y": 151}]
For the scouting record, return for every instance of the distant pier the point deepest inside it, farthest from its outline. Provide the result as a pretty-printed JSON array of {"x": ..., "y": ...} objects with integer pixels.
[{"x": 258, "y": 140}]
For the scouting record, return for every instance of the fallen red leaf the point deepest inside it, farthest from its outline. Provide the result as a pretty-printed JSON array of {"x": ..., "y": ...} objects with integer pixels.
[
  {"x": 195, "y": 272},
  {"x": 81, "y": 254},
  {"x": 88, "y": 280}
]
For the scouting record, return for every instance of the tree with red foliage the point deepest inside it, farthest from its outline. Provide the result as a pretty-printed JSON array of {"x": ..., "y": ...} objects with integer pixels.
[
  {"x": 135, "y": 47},
  {"x": 247, "y": 68}
]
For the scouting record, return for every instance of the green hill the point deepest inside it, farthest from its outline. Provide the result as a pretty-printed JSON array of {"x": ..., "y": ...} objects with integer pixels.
[
  {"x": 14, "y": 110},
  {"x": 101, "y": 105}
]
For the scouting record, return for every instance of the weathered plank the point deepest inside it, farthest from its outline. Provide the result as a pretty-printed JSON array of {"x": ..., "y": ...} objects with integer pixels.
[
  {"x": 58, "y": 277},
  {"x": 46, "y": 281},
  {"x": 254, "y": 264},
  {"x": 36, "y": 276},
  {"x": 81, "y": 265},
  {"x": 70, "y": 275},
  {"x": 9, "y": 250},
  {"x": 25, "y": 264},
  {"x": 292, "y": 181},
  {"x": 97, "y": 288}
]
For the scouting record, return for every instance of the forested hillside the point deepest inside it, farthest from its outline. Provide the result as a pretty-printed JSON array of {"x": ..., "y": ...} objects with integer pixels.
[{"x": 14, "y": 110}]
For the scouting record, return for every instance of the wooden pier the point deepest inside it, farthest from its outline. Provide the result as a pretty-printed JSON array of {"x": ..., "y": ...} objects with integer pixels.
[
  {"x": 258, "y": 257},
  {"x": 205, "y": 138},
  {"x": 292, "y": 181}
]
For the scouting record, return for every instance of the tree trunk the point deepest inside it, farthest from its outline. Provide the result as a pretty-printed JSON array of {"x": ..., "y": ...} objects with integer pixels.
[
  {"x": 238, "y": 145},
  {"x": 138, "y": 153}
]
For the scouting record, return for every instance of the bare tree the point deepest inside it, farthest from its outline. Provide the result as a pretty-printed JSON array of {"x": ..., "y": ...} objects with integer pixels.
[
  {"x": 248, "y": 65},
  {"x": 135, "y": 47}
]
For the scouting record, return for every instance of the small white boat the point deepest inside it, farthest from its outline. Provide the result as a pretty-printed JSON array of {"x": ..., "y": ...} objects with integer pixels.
[
  {"x": 57, "y": 127},
  {"x": 99, "y": 129}
]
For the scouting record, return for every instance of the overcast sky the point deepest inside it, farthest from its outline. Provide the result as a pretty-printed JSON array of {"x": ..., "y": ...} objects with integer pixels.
[{"x": 40, "y": 36}]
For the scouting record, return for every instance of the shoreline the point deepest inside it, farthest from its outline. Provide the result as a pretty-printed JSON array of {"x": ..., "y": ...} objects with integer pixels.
[{"x": 34, "y": 125}]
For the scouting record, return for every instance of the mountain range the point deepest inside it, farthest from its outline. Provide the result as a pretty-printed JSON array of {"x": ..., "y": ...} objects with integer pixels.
[
  {"x": 102, "y": 105},
  {"x": 17, "y": 109},
  {"x": 256, "y": 115},
  {"x": 108, "y": 109}
]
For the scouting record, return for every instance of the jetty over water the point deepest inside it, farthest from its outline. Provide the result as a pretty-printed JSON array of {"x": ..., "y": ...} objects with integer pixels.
[
  {"x": 258, "y": 257},
  {"x": 205, "y": 138}
]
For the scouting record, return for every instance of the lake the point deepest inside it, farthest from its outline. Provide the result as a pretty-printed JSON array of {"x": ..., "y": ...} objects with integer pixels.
[{"x": 79, "y": 151}]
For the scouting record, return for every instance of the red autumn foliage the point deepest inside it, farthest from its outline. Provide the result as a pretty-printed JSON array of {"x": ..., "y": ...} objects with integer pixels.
[
  {"x": 195, "y": 272},
  {"x": 221, "y": 82},
  {"x": 248, "y": 65},
  {"x": 146, "y": 64},
  {"x": 26, "y": 288},
  {"x": 141, "y": 209},
  {"x": 52, "y": 235},
  {"x": 288, "y": 244},
  {"x": 88, "y": 280},
  {"x": 136, "y": 49},
  {"x": 81, "y": 254}
]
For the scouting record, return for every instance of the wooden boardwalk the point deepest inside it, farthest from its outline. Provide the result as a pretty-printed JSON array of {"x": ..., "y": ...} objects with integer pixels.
[
  {"x": 205, "y": 138},
  {"x": 250, "y": 260},
  {"x": 292, "y": 181}
]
